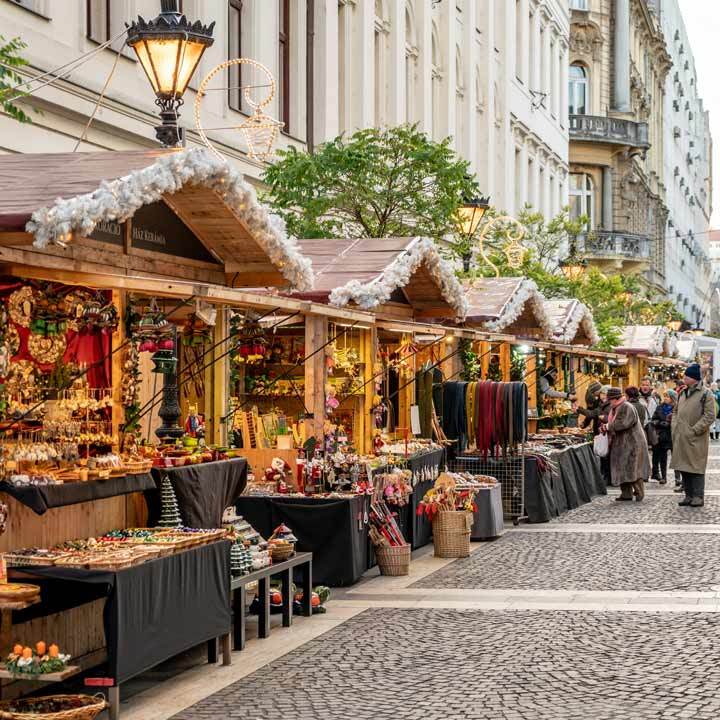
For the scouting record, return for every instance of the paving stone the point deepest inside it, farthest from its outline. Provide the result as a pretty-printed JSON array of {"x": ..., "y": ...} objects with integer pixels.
[
  {"x": 653, "y": 510},
  {"x": 586, "y": 561},
  {"x": 488, "y": 665}
]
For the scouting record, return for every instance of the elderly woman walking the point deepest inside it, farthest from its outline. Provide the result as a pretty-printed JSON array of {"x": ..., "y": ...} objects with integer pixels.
[{"x": 629, "y": 460}]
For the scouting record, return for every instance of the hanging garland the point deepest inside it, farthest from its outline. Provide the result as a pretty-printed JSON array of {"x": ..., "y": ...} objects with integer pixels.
[{"x": 118, "y": 200}]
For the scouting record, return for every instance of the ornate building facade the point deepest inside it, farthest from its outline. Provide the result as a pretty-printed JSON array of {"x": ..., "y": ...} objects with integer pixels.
[{"x": 618, "y": 69}]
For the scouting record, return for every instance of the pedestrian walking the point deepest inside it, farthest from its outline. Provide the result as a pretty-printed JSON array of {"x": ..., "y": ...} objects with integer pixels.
[
  {"x": 691, "y": 424},
  {"x": 662, "y": 422},
  {"x": 635, "y": 399},
  {"x": 715, "y": 429},
  {"x": 629, "y": 460}
]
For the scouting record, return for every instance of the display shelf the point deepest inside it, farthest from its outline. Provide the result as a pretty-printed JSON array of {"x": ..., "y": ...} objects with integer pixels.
[{"x": 53, "y": 677}]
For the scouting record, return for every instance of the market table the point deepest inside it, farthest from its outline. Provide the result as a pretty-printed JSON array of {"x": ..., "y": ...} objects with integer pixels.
[
  {"x": 262, "y": 577},
  {"x": 334, "y": 530},
  {"x": 203, "y": 491},
  {"x": 420, "y": 527},
  {"x": 488, "y": 519},
  {"x": 153, "y": 612},
  {"x": 40, "y": 498}
]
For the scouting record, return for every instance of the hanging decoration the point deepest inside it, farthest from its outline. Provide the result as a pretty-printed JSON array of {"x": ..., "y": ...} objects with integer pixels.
[
  {"x": 260, "y": 130},
  {"x": 251, "y": 345}
]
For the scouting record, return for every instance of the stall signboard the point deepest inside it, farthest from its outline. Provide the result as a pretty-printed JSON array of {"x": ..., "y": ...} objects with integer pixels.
[{"x": 157, "y": 228}]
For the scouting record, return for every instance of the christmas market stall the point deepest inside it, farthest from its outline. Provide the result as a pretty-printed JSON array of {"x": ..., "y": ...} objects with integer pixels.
[
  {"x": 651, "y": 351},
  {"x": 122, "y": 276},
  {"x": 378, "y": 434}
]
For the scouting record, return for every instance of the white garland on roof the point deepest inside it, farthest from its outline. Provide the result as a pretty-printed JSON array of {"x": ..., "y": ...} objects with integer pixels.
[
  {"x": 526, "y": 291},
  {"x": 118, "y": 200},
  {"x": 579, "y": 317},
  {"x": 397, "y": 274}
]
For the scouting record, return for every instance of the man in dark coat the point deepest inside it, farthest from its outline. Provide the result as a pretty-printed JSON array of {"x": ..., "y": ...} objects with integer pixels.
[{"x": 691, "y": 424}]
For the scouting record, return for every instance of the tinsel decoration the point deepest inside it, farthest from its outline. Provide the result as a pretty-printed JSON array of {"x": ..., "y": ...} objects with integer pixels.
[
  {"x": 421, "y": 251},
  {"x": 118, "y": 200}
]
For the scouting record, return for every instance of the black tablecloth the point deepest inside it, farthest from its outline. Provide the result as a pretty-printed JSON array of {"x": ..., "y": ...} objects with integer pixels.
[
  {"x": 334, "y": 530},
  {"x": 155, "y": 610},
  {"x": 39, "y": 498},
  {"x": 571, "y": 480},
  {"x": 488, "y": 518},
  {"x": 419, "y": 526},
  {"x": 203, "y": 491}
]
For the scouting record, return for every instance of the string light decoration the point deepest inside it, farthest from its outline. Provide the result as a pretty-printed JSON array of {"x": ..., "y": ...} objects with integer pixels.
[
  {"x": 514, "y": 233},
  {"x": 260, "y": 130}
]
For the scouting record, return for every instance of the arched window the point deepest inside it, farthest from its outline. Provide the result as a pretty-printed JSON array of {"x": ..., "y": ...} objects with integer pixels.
[
  {"x": 582, "y": 197},
  {"x": 381, "y": 90},
  {"x": 578, "y": 90},
  {"x": 411, "y": 59},
  {"x": 436, "y": 85}
]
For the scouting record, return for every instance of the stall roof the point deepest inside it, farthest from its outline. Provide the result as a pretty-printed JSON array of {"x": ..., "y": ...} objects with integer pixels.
[
  {"x": 50, "y": 199},
  {"x": 509, "y": 305},
  {"x": 573, "y": 322},
  {"x": 647, "y": 340},
  {"x": 369, "y": 272}
]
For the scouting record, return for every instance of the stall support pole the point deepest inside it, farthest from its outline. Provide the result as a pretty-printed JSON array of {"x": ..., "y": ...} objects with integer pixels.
[
  {"x": 316, "y": 335},
  {"x": 505, "y": 361},
  {"x": 118, "y": 358},
  {"x": 368, "y": 340},
  {"x": 484, "y": 353},
  {"x": 530, "y": 379},
  {"x": 221, "y": 373}
]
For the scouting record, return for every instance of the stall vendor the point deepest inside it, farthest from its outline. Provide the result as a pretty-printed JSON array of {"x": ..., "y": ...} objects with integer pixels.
[{"x": 547, "y": 386}]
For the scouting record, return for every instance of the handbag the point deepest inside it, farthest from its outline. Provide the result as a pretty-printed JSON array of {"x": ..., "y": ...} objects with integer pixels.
[{"x": 601, "y": 445}]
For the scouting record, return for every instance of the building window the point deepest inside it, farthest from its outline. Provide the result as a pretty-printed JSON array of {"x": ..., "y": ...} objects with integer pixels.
[
  {"x": 519, "y": 40},
  {"x": 284, "y": 62},
  {"x": 36, "y": 6},
  {"x": 436, "y": 83},
  {"x": 106, "y": 20},
  {"x": 381, "y": 91},
  {"x": 411, "y": 57},
  {"x": 579, "y": 4},
  {"x": 577, "y": 90},
  {"x": 237, "y": 19},
  {"x": 582, "y": 201}
]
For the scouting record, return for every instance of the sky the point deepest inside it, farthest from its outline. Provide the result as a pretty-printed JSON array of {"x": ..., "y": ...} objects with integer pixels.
[{"x": 702, "y": 19}]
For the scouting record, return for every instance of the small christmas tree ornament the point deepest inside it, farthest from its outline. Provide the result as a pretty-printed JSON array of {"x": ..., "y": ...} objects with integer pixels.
[
  {"x": 236, "y": 559},
  {"x": 170, "y": 517}
]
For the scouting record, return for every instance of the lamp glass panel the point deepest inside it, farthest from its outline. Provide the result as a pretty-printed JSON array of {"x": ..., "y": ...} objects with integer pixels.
[
  {"x": 192, "y": 53},
  {"x": 162, "y": 59},
  {"x": 142, "y": 54},
  {"x": 470, "y": 217}
]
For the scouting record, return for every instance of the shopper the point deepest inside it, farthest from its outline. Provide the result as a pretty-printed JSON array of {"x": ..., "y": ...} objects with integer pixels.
[
  {"x": 715, "y": 429},
  {"x": 662, "y": 422},
  {"x": 592, "y": 411},
  {"x": 629, "y": 461},
  {"x": 597, "y": 412},
  {"x": 648, "y": 397},
  {"x": 691, "y": 424},
  {"x": 547, "y": 386}
]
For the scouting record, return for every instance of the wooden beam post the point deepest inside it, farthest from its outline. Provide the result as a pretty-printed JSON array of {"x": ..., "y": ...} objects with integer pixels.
[
  {"x": 316, "y": 335},
  {"x": 505, "y": 361},
  {"x": 530, "y": 380},
  {"x": 369, "y": 354},
  {"x": 221, "y": 377},
  {"x": 118, "y": 361}
]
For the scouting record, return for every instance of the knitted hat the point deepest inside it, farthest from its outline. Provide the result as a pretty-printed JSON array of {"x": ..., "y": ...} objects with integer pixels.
[
  {"x": 693, "y": 371},
  {"x": 594, "y": 387},
  {"x": 672, "y": 394},
  {"x": 614, "y": 393}
]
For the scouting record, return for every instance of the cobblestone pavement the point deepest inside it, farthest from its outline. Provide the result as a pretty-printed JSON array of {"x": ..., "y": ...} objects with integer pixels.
[
  {"x": 586, "y": 561},
  {"x": 654, "y": 510},
  {"x": 469, "y": 665}
]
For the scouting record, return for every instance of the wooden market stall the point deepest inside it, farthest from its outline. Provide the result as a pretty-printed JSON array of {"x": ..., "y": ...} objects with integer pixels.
[
  {"x": 106, "y": 259},
  {"x": 643, "y": 344}
]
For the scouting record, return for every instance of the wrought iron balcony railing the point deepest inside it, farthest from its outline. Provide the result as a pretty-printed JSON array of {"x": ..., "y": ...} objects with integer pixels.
[
  {"x": 592, "y": 128},
  {"x": 602, "y": 244}
]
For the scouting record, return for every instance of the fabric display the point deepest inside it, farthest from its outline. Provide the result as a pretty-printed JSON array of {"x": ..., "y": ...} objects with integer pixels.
[{"x": 487, "y": 416}]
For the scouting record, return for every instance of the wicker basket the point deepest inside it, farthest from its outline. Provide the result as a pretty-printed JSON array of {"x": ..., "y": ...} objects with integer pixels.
[
  {"x": 281, "y": 553},
  {"x": 393, "y": 560},
  {"x": 451, "y": 533},
  {"x": 80, "y": 707}
]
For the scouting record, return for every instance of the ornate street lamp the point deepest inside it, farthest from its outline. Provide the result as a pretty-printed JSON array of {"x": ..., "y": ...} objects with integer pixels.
[
  {"x": 469, "y": 215},
  {"x": 573, "y": 266},
  {"x": 169, "y": 49}
]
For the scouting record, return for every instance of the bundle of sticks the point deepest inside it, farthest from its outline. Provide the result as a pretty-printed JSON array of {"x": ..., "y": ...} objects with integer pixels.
[{"x": 384, "y": 529}]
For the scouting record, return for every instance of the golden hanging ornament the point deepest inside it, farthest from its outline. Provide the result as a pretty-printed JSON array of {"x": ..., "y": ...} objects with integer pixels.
[
  {"x": 20, "y": 306},
  {"x": 46, "y": 350}
]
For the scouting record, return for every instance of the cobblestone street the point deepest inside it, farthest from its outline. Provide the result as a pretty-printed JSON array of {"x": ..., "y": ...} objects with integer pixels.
[{"x": 611, "y": 612}]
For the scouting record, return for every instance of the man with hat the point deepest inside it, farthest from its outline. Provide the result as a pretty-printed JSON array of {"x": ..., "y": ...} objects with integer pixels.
[{"x": 691, "y": 425}]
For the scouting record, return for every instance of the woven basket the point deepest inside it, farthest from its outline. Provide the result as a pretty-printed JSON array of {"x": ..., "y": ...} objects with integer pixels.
[
  {"x": 393, "y": 560},
  {"x": 87, "y": 708},
  {"x": 451, "y": 533},
  {"x": 280, "y": 554}
]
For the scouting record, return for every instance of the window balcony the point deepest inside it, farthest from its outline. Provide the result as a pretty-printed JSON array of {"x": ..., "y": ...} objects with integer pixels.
[
  {"x": 618, "y": 247},
  {"x": 615, "y": 131}
]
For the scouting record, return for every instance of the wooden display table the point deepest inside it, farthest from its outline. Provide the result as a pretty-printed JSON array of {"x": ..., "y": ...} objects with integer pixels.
[{"x": 262, "y": 577}]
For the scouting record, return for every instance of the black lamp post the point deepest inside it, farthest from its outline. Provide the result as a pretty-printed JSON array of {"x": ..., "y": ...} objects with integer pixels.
[
  {"x": 469, "y": 215},
  {"x": 169, "y": 49},
  {"x": 573, "y": 266}
]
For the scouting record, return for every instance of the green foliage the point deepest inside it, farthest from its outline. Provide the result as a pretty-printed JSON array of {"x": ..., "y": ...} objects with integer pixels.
[
  {"x": 614, "y": 300},
  {"x": 10, "y": 58},
  {"x": 375, "y": 183},
  {"x": 470, "y": 361}
]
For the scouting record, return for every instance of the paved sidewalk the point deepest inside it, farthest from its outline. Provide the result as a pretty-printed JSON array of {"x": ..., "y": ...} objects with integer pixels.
[{"x": 611, "y": 612}]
